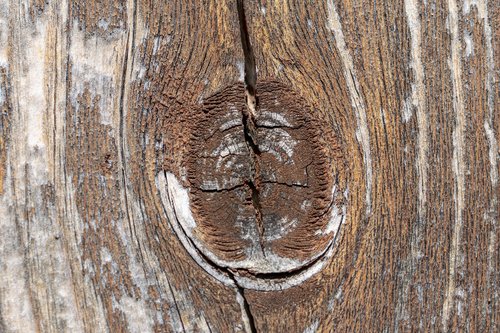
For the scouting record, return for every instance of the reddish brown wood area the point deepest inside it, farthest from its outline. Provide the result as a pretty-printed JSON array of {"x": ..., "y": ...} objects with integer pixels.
[{"x": 249, "y": 166}]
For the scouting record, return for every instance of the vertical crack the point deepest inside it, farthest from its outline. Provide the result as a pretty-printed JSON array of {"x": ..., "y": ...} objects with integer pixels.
[
  {"x": 249, "y": 320},
  {"x": 254, "y": 181},
  {"x": 250, "y": 72},
  {"x": 246, "y": 306},
  {"x": 250, "y": 134},
  {"x": 249, "y": 126}
]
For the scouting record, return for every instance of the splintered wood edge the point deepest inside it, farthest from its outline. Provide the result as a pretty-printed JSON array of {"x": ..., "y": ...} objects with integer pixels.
[{"x": 175, "y": 200}]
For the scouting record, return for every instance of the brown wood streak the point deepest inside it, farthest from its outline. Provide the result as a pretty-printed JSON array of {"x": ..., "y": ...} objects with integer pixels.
[{"x": 5, "y": 111}]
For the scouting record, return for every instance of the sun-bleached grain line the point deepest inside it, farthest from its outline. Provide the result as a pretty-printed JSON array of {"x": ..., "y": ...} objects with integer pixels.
[
  {"x": 458, "y": 157},
  {"x": 356, "y": 99},
  {"x": 418, "y": 101}
]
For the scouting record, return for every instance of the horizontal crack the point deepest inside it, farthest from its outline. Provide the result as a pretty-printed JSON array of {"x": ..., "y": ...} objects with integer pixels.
[
  {"x": 235, "y": 187},
  {"x": 284, "y": 184},
  {"x": 278, "y": 126}
]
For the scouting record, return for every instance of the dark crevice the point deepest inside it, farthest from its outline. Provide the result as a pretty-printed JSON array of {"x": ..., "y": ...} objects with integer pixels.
[
  {"x": 250, "y": 71},
  {"x": 279, "y": 126},
  {"x": 285, "y": 184},
  {"x": 218, "y": 190},
  {"x": 249, "y": 127},
  {"x": 254, "y": 181},
  {"x": 246, "y": 306},
  {"x": 249, "y": 130},
  {"x": 251, "y": 185}
]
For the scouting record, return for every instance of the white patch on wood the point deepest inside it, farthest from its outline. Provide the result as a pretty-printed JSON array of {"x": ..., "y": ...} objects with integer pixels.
[
  {"x": 17, "y": 313},
  {"x": 270, "y": 263},
  {"x": 295, "y": 280},
  {"x": 416, "y": 101},
  {"x": 2, "y": 96},
  {"x": 4, "y": 32},
  {"x": 337, "y": 216},
  {"x": 181, "y": 204},
  {"x": 271, "y": 119},
  {"x": 492, "y": 270},
  {"x": 337, "y": 297},
  {"x": 137, "y": 271},
  {"x": 32, "y": 105},
  {"x": 313, "y": 328},
  {"x": 492, "y": 153},
  {"x": 241, "y": 69},
  {"x": 145, "y": 269},
  {"x": 305, "y": 205},
  {"x": 106, "y": 256},
  {"x": 490, "y": 60},
  {"x": 284, "y": 227},
  {"x": 278, "y": 142},
  {"x": 469, "y": 48},
  {"x": 103, "y": 24},
  {"x": 94, "y": 67},
  {"x": 468, "y": 4},
  {"x": 139, "y": 317},
  {"x": 407, "y": 109},
  {"x": 458, "y": 157},
  {"x": 336, "y": 219},
  {"x": 488, "y": 125},
  {"x": 230, "y": 123},
  {"x": 229, "y": 145},
  {"x": 156, "y": 44},
  {"x": 357, "y": 100}
]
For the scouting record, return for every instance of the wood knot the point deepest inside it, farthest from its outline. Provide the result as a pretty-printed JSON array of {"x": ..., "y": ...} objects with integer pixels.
[{"x": 265, "y": 187}]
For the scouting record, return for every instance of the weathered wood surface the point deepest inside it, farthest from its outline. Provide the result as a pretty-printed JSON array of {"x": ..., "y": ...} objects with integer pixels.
[{"x": 99, "y": 104}]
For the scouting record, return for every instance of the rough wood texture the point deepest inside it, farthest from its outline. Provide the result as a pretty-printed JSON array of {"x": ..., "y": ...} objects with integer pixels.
[{"x": 108, "y": 110}]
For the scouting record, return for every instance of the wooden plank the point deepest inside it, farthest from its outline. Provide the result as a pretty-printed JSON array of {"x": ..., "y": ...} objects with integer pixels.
[{"x": 258, "y": 166}]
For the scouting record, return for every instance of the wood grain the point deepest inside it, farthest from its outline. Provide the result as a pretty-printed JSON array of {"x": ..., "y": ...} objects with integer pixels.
[{"x": 99, "y": 105}]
